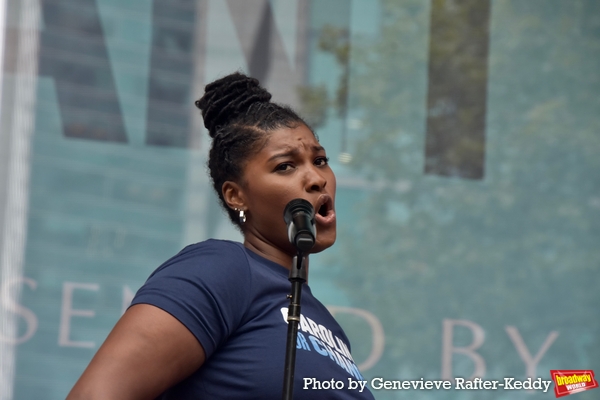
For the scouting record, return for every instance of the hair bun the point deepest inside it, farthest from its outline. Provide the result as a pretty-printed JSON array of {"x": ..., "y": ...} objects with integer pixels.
[{"x": 227, "y": 98}]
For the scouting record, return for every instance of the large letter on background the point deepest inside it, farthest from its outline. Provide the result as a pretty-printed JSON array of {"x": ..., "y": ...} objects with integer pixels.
[
  {"x": 530, "y": 362},
  {"x": 378, "y": 338},
  {"x": 10, "y": 304},
  {"x": 171, "y": 73},
  {"x": 448, "y": 347},
  {"x": 456, "y": 105},
  {"x": 67, "y": 312},
  {"x": 73, "y": 52}
]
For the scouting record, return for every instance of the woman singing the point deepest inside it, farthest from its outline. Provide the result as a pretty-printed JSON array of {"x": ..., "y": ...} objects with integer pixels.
[{"x": 210, "y": 322}]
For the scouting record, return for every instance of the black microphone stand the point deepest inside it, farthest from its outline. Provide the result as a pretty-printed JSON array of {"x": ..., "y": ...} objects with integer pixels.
[
  {"x": 297, "y": 277},
  {"x": 299, "y": 215}
]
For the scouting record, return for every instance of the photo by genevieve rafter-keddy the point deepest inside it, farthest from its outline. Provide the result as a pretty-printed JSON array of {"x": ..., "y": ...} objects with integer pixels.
[{"x": 376, "y": 384}]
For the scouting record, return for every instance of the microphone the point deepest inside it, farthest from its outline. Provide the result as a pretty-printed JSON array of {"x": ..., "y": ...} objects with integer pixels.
[{"x": 299, "y": 215}]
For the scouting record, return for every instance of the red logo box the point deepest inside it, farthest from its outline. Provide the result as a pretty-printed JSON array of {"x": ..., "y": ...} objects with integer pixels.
[{"x": 569, "y": 381}]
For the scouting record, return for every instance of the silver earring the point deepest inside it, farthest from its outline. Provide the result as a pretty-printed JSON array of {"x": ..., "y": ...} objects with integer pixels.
[{"x": 242, "y": 216}]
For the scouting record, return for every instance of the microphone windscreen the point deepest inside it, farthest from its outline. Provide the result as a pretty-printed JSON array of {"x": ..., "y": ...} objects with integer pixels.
[{"x": 299, "y": 215}]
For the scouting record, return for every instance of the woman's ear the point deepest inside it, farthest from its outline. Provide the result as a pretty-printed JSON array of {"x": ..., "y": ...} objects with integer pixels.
[{"x": 233, "y": 194}]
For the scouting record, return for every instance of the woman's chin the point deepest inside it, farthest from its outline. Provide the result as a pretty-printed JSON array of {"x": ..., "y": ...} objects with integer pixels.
[{"x": 324, "y": 241}]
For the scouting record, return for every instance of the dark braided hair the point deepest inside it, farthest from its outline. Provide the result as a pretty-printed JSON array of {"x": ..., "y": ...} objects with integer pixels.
[{"x": 238, "y": 114}]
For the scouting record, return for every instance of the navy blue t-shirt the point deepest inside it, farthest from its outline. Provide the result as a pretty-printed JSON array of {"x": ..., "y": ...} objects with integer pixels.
[{"x": 234, "y": 302}]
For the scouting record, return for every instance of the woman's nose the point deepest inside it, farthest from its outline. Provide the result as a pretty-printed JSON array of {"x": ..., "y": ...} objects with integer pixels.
[{"x": 315, "y": 181}]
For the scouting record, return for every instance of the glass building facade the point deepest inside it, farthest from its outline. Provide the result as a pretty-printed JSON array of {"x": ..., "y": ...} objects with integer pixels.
[{"x": 465, "y": 136}]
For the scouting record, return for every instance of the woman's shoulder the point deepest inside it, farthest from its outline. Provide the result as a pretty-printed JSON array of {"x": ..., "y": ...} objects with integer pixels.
[
  {"x": 211, "y": 253},
  {"x": 204, "y": 287},
  {"x": 220, "y": 246}
]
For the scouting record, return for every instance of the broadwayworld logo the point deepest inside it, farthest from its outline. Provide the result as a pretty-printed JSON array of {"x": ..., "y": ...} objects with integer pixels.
[{"x": 569, "y": 381}]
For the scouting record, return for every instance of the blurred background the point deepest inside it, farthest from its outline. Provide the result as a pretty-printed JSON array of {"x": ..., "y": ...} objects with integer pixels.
[{"x": 465, "y": 135}]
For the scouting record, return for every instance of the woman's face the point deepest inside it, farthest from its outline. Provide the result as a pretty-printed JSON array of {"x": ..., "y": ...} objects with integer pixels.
[{"x": 292, "y": 164}]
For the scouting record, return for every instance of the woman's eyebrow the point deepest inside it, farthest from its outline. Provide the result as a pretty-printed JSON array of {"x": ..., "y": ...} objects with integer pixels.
[
  {"x": 288, "y": 153},
  {"x": 294, "y": 152}
]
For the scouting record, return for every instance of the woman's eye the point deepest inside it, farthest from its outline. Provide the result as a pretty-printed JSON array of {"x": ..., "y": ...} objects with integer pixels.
[
  {"x": 284, "y": 167},
  {"x": 322, "y": 161}
]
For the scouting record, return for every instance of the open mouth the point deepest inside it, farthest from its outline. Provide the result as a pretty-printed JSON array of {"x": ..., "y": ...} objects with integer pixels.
[
  {"x": 325, "y": 214},
  {"x": 323, "y": 210}
]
